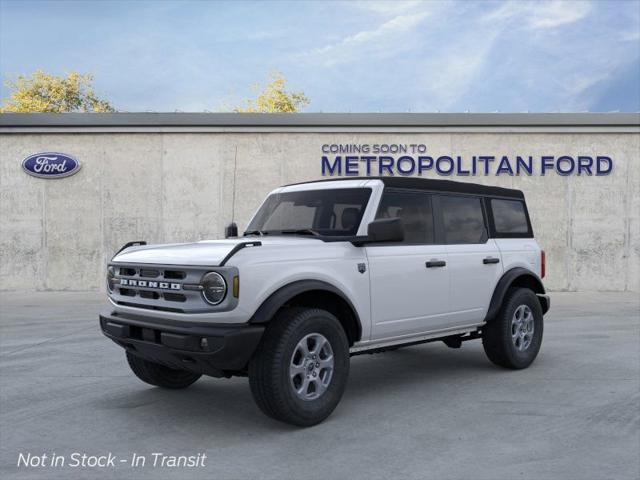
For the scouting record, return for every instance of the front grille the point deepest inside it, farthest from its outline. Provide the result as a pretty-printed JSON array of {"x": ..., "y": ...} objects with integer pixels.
[{"x": 158, "y": 287}]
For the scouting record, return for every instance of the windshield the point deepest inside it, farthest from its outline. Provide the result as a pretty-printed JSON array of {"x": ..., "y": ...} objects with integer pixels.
[{"x": 335, "y": 212}]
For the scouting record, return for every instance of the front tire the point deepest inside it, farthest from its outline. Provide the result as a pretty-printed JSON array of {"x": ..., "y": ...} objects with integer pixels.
[
  {"x": 159, "y": 375},
  {"x": 513, "y": 338},
  {"x": 300, "y": 370}
]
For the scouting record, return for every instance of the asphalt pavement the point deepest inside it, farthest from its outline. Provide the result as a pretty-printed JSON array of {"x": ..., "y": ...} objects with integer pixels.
[{"x": 421, "y": 412}]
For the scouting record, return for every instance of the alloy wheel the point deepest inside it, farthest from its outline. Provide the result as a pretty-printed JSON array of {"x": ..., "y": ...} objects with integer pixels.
[
  {"x": 522, "y": 326},
  {"x": 311, "y": 366}
]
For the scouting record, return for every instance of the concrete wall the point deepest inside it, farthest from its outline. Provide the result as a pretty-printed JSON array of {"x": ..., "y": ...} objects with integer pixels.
[{"x": 171, "y": 187}]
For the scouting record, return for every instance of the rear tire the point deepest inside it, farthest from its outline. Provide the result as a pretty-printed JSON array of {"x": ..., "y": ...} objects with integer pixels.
[
  {"x": 159, "y": 375},
  {"x": 300, "y": 370},
  {"x": 513, "y": 338}
]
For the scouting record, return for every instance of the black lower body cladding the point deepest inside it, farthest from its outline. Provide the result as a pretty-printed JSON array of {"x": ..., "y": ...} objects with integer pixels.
[{"x": 208, "y": 349}]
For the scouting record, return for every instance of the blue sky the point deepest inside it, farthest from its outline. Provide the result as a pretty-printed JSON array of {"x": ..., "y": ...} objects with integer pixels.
[{"x": 359, "y": 56}]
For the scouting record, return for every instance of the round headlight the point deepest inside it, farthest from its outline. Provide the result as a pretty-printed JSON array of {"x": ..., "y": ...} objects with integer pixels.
[
  {"x": 111, "y": 273},
  {"x": 214, "y": 288}
]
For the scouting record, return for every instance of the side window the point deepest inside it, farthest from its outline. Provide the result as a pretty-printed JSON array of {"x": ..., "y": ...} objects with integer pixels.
[
  {"x": 509, "y": 216},
  {"x": 462, "y": 219},
  {"x": 414, "y": 209}
]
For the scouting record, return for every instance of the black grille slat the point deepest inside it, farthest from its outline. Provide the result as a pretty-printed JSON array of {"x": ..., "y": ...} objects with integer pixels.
[
  {"x": 149, "y": 273},
  {"x": 149, "y": 294},
  {"x": 174, "y": 297},
  {"x": 174, "y": 274}
]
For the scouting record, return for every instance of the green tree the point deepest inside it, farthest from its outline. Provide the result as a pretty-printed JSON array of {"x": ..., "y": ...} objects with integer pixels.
[
  {"x": 42, "y": 92},
  {"x": 275, "y": 98}
]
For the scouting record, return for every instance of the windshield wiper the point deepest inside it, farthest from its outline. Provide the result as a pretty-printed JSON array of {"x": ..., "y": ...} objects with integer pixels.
[
  {"x": 255, "y": 232},
  {"x": 301, "y": 231}
]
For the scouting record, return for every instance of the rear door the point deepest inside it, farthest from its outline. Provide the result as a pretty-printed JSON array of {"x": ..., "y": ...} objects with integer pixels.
[
  {"x": 475, "y": 265},
  {"x": 409, "y": 280}
]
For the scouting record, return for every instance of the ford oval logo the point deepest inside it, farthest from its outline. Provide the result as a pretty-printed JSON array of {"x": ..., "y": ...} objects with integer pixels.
[{"x": 50, "y": 165}]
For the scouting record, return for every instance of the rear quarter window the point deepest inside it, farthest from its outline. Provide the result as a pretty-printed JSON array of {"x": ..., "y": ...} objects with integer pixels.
[{"x": 509, "y": 217}]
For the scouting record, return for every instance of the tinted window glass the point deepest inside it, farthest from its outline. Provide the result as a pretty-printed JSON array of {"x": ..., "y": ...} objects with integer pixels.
[
  {"x": 415, "y": 211},
  {"x": 289, "y": 215},
  {"x": 463, "y": 219},
  {"x": 329, "y": 212},
  {"x": 509, "y": 216}
]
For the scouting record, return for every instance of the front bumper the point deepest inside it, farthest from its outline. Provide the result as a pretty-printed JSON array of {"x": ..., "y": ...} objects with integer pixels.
[{"x": 215, "y": 350}]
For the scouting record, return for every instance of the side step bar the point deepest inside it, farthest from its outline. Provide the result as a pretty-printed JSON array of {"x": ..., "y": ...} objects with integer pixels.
[{"x": 472, "y": 330}]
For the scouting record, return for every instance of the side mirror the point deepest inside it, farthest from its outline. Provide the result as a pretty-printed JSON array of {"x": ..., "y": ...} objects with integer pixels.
[
  {"x": 231, "y": 230},
  {"x": 381, "y": 231}
]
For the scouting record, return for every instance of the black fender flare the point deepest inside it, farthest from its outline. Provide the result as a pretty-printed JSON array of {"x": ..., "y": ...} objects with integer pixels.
[
  {"x": 280, "y": 297},
  {"x": 507, "y": 280}
]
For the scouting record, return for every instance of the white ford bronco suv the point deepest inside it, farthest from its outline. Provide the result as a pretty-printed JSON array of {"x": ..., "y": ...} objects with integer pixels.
[{"x": 327, "y": 270}]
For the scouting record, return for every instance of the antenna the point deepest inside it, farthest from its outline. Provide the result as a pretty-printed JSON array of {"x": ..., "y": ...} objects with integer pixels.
[
  {"x": 232, "y": 229},
  {"x": 233, "y": 201}
]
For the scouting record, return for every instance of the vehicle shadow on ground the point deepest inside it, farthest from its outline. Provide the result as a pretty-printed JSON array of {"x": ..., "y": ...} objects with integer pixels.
[
  {"x": 423, "y": 367},
  {"x": 227, "y": 405}
]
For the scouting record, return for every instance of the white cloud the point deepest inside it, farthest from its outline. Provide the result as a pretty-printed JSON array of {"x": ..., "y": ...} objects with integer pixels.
[
  {"x": 554, "y": 14},
  {"x": 390, "y": 8},
  {"x": 397, "y": 25},
  {"x": 506, "y": 11},
  {"x": 577, "y": 84},
  {"x": 386, "y": 39},
  {"x": 632, "y": 36},
  {"x": 454, "y": 69},
  {"x": 540, "y": 15}
]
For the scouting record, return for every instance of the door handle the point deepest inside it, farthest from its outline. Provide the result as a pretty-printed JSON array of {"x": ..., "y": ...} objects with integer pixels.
[
  {"x": 436, "y": 263},
  {"x": 489, "y": 260}
]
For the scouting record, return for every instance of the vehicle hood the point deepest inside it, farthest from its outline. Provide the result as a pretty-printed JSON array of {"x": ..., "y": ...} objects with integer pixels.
[{"x": 207, "y": 252}]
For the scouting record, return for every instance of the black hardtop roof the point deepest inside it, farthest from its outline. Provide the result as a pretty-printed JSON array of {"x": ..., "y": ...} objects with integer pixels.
[{"x": 416, "y": 183}]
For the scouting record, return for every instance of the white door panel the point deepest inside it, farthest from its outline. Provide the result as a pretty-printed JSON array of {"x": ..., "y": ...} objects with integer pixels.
[
  {"x": 406, "y": 296},
  {"x": 520, "y": 252},
  {"x": 473, "y": 277}
]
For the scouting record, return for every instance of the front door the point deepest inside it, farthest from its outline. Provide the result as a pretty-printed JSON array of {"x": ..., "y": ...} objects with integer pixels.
[{"x": 409, "y": 280}]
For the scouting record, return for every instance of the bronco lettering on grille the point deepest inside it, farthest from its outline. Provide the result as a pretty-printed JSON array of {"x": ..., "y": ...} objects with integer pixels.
[{"x": 129, "y": 282}]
